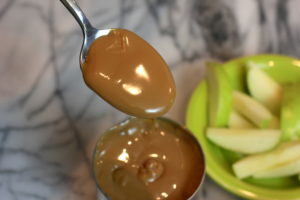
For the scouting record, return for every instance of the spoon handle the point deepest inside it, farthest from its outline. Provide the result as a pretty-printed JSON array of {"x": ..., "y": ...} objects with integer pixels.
[{"x": 80, "y": 17}]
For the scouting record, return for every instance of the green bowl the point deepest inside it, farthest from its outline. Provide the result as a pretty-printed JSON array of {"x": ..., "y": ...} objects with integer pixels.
[{"x": 219, "y": 161}]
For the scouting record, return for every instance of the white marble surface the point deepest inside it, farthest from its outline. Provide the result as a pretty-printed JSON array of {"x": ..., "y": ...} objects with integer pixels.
[{"x": 49, "y": 120}]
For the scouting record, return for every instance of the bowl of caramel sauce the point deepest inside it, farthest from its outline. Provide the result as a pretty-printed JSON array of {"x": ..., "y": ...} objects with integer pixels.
[{"x": 148, "y": 159}]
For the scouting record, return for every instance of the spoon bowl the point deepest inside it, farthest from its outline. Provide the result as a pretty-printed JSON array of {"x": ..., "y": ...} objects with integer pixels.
[{"x": 123, "y": 69}]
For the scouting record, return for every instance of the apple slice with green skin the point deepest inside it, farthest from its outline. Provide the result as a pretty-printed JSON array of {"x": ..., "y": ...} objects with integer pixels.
[
  {"x": 254, "y": 111},
  {"x": 263, "y": 88},
  {"x": 236, "y": 120},
  {"x": 219, "y": 95},
  {"x": 247, "y": 141},
  {"x": 286, "y": 169},
  {"x": 290, "y": 112},
  {"x": 250, "y": 165}
]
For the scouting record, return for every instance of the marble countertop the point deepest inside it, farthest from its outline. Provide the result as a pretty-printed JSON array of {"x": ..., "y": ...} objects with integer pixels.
[{"x": 50, "y": 120}]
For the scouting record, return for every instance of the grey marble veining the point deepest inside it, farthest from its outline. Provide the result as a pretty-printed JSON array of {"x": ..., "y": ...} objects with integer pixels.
[{"x": 49, "y": 119}]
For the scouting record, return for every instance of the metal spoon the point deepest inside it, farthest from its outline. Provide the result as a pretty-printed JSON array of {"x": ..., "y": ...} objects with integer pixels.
[{"x": 139, "y": 83}]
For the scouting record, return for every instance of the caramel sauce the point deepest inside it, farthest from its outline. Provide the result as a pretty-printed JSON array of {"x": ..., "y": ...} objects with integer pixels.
[
  {"x": 140, "y": 159},
  {"x": 127, "y": 72},
  {"x": 145, "y": 160}
]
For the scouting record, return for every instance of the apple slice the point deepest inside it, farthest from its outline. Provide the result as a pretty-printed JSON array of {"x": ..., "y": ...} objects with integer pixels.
[
  {"x": 290, "y": 112},
  {"x": 264, "y": 89},
  {"x": 219, "y": 95},
  {"x": 238, "y": 121},
  {"x": 286, "y": 169},
  {"x": 254, "y": 111},
  {"x": 250, "y": 165},
  {"x": 246, "y": 141}
]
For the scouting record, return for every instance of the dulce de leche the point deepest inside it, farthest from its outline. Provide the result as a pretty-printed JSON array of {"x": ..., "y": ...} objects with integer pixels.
[
  {"x": 127, "y": 72},
  {"x": 145, "y": 159}
]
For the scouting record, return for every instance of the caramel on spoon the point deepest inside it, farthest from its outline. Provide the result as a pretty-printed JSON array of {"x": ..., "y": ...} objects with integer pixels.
[{"x": 124, "y": 69}]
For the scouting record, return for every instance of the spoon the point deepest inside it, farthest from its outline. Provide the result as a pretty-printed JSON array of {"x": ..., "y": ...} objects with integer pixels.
[{"x": 124, "y": 69}]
